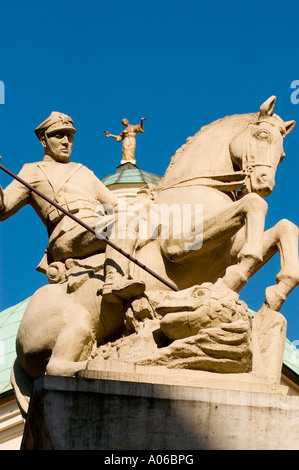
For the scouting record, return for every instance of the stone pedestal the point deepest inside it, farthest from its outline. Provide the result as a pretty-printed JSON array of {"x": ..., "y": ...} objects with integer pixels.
[{"x": 177, "y": 410}]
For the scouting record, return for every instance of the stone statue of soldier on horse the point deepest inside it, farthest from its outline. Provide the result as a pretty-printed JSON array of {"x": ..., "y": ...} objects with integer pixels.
[{"x": 98, "y": 303}]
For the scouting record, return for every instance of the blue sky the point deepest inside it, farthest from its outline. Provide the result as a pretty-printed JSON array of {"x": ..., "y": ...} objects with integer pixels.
[{"x": 180, "y": 64}]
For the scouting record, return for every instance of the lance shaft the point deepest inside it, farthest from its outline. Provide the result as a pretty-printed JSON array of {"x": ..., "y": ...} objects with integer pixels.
[{"x": 90, "y": 229}]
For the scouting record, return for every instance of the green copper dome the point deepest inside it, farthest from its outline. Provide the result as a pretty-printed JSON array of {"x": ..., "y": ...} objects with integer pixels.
[{"x": 128, "y": 173}]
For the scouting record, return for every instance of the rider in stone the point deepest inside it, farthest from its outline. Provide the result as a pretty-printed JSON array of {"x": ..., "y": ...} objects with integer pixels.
[{"x": 72, "y": 186}]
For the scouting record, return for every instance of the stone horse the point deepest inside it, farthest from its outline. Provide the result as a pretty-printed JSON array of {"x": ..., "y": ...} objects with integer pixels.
[{"x": 228, "y": 168}]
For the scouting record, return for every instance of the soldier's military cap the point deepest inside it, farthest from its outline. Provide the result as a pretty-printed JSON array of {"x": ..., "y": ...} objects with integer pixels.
[{"x": 55, "y": 122}]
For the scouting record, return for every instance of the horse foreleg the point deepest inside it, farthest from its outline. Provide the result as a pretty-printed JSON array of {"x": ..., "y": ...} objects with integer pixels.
[
  {"x": 252, "y": 209},
  {"x": 282, "y": 238}
]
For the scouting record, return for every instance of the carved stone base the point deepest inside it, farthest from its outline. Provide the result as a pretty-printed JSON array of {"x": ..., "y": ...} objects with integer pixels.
[
  {"x": 204, "y": 327},
  {"x": 204, "y": 351},
  {"x": 237, "y": 346},
  {"x": 125, "y": 411}
]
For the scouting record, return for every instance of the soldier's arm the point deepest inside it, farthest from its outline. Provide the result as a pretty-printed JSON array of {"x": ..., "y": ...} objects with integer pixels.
[
  {"x": 105, "y": 196},
  {"x": 14, "y": 197}
]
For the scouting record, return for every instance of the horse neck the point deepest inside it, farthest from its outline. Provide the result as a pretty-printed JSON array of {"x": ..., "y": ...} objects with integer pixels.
[{"x": 207, "y": 152}]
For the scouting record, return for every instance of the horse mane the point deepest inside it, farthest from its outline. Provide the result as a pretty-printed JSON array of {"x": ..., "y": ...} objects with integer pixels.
[{"x": 207, "y": 152}]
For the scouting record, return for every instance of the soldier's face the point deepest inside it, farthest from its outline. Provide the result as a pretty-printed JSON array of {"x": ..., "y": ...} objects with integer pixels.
[{"x": 59, "y": 145}]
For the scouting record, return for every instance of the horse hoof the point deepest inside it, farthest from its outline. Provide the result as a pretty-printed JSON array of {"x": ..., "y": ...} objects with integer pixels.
[
  {"x": 275, "y": 297},
  {"x": 234, "y": 278}
]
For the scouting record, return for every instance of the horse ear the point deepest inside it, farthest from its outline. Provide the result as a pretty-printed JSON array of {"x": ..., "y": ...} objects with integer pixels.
[
  {"x": 267, "y": 108},
  {"x": 289, "y": 125}
]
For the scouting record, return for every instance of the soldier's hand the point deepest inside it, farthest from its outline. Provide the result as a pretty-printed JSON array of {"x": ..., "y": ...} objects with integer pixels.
[{"x": 143, "y": 119}]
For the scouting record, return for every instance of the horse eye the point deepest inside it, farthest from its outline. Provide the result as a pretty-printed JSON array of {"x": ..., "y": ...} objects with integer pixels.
[{"x": 263, "y": 134}]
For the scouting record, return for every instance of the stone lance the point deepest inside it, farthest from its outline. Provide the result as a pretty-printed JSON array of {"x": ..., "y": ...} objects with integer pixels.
[{"x": 80, "y": 222}]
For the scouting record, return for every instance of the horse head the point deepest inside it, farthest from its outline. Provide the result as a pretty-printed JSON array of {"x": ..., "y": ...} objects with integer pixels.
[{"x": 258, "y": 149}]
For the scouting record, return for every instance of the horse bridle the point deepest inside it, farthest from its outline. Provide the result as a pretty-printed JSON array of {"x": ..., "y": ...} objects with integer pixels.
[{"x": 249, "y": 160}]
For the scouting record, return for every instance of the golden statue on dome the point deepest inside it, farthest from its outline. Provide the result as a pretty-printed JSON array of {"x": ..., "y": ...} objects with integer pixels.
[{"x": 128, "y": 137}]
